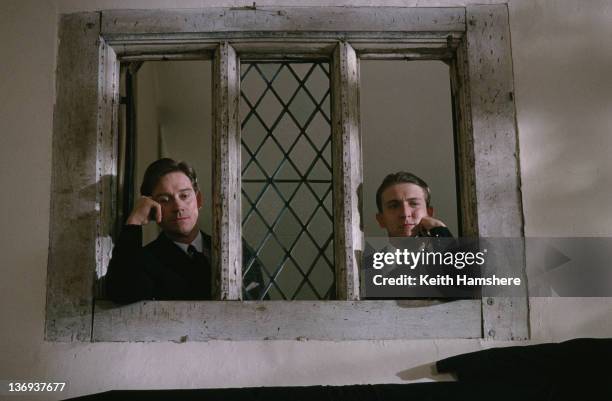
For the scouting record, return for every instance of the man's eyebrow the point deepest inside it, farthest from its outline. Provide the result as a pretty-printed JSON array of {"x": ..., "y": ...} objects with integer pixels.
[
  {"x": 391, "y": 202},
  {"x": 169, "y": 194},
  {"x": 400, "y": 200}
]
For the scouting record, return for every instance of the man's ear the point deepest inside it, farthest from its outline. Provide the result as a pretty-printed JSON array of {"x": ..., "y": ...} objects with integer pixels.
[
  {"x": 430, "y": 211},
  {"x": 380, "y": 220},
  {"x": 200, "y": 199}
]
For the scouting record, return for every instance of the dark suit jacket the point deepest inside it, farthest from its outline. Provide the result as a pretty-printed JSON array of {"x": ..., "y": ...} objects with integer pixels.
[
  {"x": 436, "y": 243},
  {"x": 163, "y": 271}
]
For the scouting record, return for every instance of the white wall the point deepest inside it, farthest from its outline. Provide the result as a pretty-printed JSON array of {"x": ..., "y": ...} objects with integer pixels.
[{"x": 562, "y": 60}]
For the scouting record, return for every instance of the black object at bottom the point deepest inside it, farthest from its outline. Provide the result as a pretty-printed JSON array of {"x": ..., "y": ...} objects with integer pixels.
[{"x": 439, "y": 391}]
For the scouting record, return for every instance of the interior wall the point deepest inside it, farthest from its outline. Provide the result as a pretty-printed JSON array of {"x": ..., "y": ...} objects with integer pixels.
[
  {"x": 146, "y": 134},
  {"x": 407, "y": 125},
  {"x": 563, "y": 86},
  {"x": 563, "y": 104},
  {"x": 174, "y": 119}
]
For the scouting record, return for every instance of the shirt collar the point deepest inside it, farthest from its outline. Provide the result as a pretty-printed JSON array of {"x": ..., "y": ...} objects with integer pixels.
[{"x": 197, "y": 244}]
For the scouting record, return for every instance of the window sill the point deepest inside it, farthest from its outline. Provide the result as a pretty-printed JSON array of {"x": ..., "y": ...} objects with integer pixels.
[{"x": 181, "y": 321}]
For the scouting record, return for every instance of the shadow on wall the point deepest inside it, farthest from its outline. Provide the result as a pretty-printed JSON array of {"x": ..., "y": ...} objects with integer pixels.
[
  {"x": 563, "y": 88},
  {"x": 426, "y": 372}
]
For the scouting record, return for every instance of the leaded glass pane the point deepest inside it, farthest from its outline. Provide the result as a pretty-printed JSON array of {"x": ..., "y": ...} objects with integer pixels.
[{"x": 287, "y": 218}]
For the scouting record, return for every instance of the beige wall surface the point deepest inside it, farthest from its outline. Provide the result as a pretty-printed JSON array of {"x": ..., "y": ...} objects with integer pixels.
[{"x": 562, "y": 60}]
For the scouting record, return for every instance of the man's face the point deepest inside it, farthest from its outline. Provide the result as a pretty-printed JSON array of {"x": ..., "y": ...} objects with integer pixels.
[
  {"x": 403, "y": 207},
  {"x": 179, "y": 203}
]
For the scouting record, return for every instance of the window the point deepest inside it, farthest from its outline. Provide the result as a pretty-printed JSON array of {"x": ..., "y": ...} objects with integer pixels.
[
  {"x": 286, "y": 177},
  {"x": 407, "y": 124},
  {"x": 164, "y": 111},
  {"x": 473, "y": 40}
]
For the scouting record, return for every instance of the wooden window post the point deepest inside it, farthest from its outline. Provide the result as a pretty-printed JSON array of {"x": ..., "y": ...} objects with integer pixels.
[{"x": 227, "y": 243}]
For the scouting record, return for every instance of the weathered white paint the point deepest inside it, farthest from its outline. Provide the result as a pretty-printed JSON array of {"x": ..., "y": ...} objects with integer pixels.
[
  {"x": 226, "y": 239},
  {"x": 563, "y": 116},
  {"x": 107, "y": 162},
  {"x": 77, "y": 182},
  {"x": 496, "y": 157},
  {"x": 121, "y": 23},
  {"x": 348, "y": 176},
  {"x": 277, "y": 320}
]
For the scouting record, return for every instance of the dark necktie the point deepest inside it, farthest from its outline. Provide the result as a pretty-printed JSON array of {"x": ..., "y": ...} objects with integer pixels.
[
  {"x": 192, "y": 252},
  {"x": 202, "y": 263}
]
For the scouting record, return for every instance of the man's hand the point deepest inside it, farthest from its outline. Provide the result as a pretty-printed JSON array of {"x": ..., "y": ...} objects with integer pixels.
[
  {"x": 426, "y": 224},
  {"x": 145, "y": 209}
]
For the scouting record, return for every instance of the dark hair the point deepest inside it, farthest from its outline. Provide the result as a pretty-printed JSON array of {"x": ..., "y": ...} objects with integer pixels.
[
  {"x": 160, "y": 168},
  {"x": 399, "y": 178}
]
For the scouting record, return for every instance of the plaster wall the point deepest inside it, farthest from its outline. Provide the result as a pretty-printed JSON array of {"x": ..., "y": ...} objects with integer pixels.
[{"x": 562, "y": 81}]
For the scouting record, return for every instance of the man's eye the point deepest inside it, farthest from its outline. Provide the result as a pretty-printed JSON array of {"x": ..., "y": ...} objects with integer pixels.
[
  {"x": 184, "y": 196},
  {"x": 163, "y": 199}
]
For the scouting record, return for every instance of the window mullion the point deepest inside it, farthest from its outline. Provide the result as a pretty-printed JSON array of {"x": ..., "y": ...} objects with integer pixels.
[
  {"x": 227, "y": 244},
  {"x": 496, "y": 156},
  {"x": 347, "y": 171}
]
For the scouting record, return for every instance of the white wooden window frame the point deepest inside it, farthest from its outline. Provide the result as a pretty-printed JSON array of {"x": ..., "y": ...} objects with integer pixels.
[{"x": 474, "y": 40}]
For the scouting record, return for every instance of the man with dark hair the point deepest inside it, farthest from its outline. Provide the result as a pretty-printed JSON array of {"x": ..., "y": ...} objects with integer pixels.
[
  {"x": 404, "y": 207},
  {"x": 177, "y": 264}
]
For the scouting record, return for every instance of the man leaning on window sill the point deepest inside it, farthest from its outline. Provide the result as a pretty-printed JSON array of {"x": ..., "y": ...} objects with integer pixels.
[{"x": 177, "y": 265}]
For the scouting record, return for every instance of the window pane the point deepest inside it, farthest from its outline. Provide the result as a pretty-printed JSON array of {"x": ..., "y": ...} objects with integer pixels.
[
  {"x": 287, "y": 177},
  {"x": 174, "y": 119},
  {"x": 407, "y": 125}
]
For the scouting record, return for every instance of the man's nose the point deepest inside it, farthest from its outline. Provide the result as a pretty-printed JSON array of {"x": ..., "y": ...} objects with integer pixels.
[
  {"x": 406, "y": 210},
  {"x": 177, "y": 203}
]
